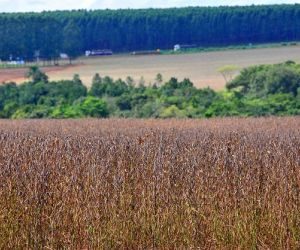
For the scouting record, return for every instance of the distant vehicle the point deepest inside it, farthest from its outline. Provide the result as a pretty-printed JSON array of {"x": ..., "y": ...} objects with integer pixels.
[
  {"x": 63, "y": 56},
  {"x": 104, "y": 52},
  {"x": 19, "y": 62},
  {"x": 146, "y": 52},
  {"x": 178, "y": 47}
]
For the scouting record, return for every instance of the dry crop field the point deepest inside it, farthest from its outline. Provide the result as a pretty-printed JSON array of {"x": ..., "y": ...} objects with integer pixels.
[
  {"x": 201, "y": 68},
  {"x": 150, "y": 184},
  {"x": 18, "y": 74}
]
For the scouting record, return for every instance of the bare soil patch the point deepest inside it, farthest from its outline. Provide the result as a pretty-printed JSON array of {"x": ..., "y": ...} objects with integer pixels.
[
  {"x": 18, "y": 74},
  {"x": 201, "y": 68}
]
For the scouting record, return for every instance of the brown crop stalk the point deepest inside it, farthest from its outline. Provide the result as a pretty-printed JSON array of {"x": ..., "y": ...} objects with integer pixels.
[{"x": 150, "y": 184}]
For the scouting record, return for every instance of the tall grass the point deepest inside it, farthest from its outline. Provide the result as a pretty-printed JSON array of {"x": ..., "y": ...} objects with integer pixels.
[{"x": 210, "y": 184}]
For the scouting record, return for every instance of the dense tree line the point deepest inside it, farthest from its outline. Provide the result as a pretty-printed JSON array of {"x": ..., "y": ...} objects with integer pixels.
[
  {"x": 257, "y": 91},
  {"x": 21, "y": 34}
]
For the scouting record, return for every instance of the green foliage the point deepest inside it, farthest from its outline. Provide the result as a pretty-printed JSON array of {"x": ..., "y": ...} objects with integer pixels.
[
  {"x": 66, "y": 111},
  {"x": 124, "y": 102},
  {"x": 261, "y": 81},
  {"x": 226, "y": 104},
  {"x": 258, "y": 91},
  {"x": 22, "y": 112},
  {"x": 72, "y": 42},
  {"x": 36, "y": 75},
  {"x": 97, "y": 88},
  {"x": 203, "y": 98},
  {"x": 172, "y": 112},
  {"x": 283, "y": 79},
  {"x": 107, "y": 86},
  {"x": 9, "y": 109},
  {"x": 30, "y": 93},
  {"x": 151, "y": 108},
  {"x": 228, "y": 71},
  {"x": 94, "y": 107},
  {"x": 8, "y": 92},
  {"x": 32, "y": 112},
  {"x": 66, "y": 90},
  {"x": 277, "y": 104}
]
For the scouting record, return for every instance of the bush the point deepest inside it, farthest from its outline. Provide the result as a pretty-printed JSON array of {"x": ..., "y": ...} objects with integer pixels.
[
  {"x": 66, "y": 111},
  {"x": 94, "y": 107},
  {"x": 261, "y": 81},
  {"x": 172, "y": 112},
  {"x": 258, "y": 91}
]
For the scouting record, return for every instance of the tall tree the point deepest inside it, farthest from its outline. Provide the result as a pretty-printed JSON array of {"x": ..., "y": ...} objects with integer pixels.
[
  {"x": 125, "y": 30},
  {"x": 72, "y": 43}
]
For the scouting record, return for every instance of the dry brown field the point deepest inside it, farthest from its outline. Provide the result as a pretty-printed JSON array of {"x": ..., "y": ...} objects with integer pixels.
[
  {"x": 150, "y": 184},
  {"x": 201, "y": 68},
  {"x": 18, "y": 74}
]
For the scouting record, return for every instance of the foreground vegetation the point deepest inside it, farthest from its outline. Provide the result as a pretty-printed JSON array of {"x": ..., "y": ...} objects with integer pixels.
[
  {"x": 258, "y": 91},
  {"x": 111, "y": 184}
]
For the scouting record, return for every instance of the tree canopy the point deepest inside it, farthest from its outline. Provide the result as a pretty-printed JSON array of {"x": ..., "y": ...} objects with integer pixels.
[
  {"x": 257, "y": 91},
  {"x": 73, "y": 32}
]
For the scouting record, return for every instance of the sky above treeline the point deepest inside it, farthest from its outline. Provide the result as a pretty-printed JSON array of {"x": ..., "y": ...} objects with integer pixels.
[{"x": 40, "y": 5}]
